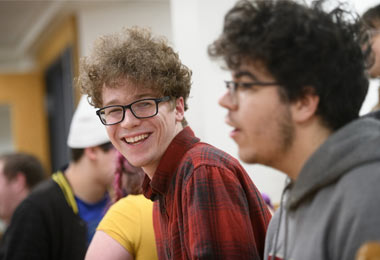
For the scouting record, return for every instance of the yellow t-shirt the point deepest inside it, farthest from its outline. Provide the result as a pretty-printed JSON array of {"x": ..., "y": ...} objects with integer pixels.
[{"x": 129, "y": 221}]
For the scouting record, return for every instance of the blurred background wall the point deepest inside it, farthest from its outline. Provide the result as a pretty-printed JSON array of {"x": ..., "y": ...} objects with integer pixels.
[{"x": 42, "y": 42}]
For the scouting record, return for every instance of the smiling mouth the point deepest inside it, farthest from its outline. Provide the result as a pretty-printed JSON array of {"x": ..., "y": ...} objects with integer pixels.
[{"x": 136, "y": 139}]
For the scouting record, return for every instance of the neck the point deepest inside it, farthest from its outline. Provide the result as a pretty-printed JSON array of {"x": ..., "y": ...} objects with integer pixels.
[
  {"x": 151, "y": 169},
  {"x": 81, "y": 178},
  {"x": 307, "y": 140},
  {"x": 17, "y": 199}
]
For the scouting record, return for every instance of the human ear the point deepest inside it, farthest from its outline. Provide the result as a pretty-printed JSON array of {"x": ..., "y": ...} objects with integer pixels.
[
  {"x": 19, "y": 182},
  {"x": 305, "y": 107},
  {"x": 179, "y": 109},
  {"x": 90, "y": 152}
]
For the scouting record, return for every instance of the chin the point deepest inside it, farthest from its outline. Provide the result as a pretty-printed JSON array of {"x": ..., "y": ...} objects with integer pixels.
[
  {"x": 247, "y": 157},
  {"x": 136, "y": 163}
]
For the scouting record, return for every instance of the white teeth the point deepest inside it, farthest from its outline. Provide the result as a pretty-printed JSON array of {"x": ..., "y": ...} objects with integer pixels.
[{"x": 136, "y": 139}]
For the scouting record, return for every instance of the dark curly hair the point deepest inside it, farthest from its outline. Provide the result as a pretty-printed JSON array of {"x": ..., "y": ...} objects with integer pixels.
[
  {"x": 133, "y": 55},
  {"x": 303, "y": 48}
]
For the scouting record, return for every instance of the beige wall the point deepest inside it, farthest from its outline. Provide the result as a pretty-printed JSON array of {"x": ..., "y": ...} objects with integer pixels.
[{"x": 25, "y": 93}]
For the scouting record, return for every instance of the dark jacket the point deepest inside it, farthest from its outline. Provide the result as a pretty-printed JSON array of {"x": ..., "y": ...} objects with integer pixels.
[{"x": 45, "y": 227}]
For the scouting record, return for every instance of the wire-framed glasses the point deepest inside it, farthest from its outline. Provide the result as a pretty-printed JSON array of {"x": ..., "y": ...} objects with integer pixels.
[
  {"x": 234, "y": 86},
  {"x": 143, "y": 108}
]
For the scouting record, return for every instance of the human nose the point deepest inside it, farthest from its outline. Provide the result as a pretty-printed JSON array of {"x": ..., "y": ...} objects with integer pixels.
[
  {"x": 227, "y": 100},
  {"x": 129, "y": 120}
]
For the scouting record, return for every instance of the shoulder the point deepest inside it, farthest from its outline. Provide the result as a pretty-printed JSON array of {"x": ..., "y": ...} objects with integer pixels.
[
  {"x": 355, "y": 216},
  {"x": 352, "y": 203},
  {"x": 32, "y": 213},
  {"x": 360, "y": 187},
  {"x": 365, "y": 177},
  {"x": 132, "y": 202},
  {"x": 206, "y": 163},
  {"x": 47, "y": 193},
  {"x": 46, "y": 200},
  {"x": 43, "y": 193},
  {"x": 127, "y": 216},
  {"x": 203, "y": 154},
  {"x": 131, "y": 207},
  {"x": 204, "y": 157},
  {"x": 375, "y": 114},
  {"x": 47, "y": 187}
]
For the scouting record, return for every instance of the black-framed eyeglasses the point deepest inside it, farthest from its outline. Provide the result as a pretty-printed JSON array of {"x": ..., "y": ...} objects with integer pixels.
[
  {"x": 233, "y": 86},
  {"x": 143, "y": 108}
]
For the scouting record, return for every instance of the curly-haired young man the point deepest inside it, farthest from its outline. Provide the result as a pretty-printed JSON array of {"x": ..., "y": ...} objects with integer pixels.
[
  {"x": 206, "y": 206},
  {"x": 298, "y": 82}
]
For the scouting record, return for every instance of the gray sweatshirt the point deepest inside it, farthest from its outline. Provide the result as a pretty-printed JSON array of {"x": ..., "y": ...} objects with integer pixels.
[{"x": 334, "y": 206}]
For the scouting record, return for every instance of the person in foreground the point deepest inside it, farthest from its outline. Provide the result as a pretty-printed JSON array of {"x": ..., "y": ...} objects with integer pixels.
[
  {"x": 206, "y": 206},
  {"x": 19, "y": 174},
  {"x": 126, "y": 231},
  {"x": 59, "y": 217},
  {"x": 298, "y": 82}
]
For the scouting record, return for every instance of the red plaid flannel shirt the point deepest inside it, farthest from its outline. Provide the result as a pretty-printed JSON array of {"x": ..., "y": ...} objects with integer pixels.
[{"x": 206, "y": 206}]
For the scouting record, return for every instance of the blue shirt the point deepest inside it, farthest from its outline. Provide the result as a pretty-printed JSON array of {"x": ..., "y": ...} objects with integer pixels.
[{"x": 92, "y": 213}]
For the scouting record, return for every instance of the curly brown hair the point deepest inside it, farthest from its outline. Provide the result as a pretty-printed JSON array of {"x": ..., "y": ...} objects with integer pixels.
[{"x": 137, "y": 56}]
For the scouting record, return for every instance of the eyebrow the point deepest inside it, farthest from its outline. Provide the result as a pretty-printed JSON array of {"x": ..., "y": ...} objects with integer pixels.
[
  {"x": 243, "y": 73},
  {"x": 116, "y": 101},
  {"x": 145, "y": 95},
  {"x": 110, "y": 102}
]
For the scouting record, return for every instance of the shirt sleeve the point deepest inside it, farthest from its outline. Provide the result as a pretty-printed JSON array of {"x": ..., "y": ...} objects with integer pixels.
[
  {"x": 27, "y": 237},
  {"x": 217, "y": 217},
  {"x": 122, "y": 223}
]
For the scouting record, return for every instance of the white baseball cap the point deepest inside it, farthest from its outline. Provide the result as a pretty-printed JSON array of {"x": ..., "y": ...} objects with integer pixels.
[{"x": 86, "y": 130}]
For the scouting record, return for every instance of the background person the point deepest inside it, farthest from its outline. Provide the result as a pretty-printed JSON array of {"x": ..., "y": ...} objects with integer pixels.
[
  {"x": 19, "y": 174},
  {"x": 57, "y": 220},
  {"x": 126, "y": 231},
  {"x": 371, "y": 19}
]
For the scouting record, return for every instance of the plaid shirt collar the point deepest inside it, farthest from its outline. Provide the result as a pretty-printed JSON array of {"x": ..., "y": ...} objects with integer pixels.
[{"x": 168, "y": 164}]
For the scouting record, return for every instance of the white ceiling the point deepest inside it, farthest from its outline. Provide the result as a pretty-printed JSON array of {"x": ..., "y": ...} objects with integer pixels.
[{"x": 23, "y": 22}]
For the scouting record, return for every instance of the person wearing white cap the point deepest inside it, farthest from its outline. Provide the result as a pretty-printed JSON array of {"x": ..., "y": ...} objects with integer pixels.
[{"x": 58, "y": 219}]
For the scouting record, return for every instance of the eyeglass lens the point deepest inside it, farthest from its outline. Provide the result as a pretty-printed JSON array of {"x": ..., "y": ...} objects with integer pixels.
[{"x": 140, "y": 109}]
